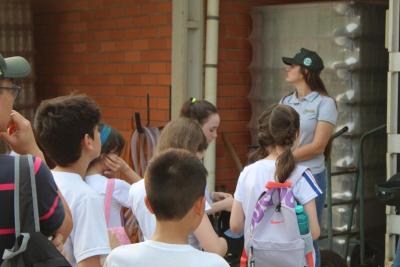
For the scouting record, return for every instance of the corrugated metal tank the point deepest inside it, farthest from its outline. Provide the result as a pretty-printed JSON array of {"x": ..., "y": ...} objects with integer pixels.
[{"x": 350, "y": 39}]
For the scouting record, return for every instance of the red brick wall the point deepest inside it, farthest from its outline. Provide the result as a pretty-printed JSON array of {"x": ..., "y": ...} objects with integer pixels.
[
  {"x": 233, "y": 88},
  {"x": 119, "y": 50},
  {"x": 116, "y": 51}
]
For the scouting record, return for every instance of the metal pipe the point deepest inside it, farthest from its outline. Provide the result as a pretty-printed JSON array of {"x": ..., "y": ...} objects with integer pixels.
[
  {"x": 329, "y": 202},
  {"x": 210, "y": 79},
  {"x": 329, "y": 188},
  {"x": 361, "y": 177}
]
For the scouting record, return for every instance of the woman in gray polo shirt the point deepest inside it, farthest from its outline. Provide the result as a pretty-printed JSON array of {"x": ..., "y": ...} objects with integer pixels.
[{"x": 318, "y": 115}]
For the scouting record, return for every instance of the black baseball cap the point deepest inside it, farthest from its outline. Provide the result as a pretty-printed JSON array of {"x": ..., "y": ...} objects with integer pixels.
[
  {"x": 14, "y": 67},
  {"x": 306, "y": 58}
]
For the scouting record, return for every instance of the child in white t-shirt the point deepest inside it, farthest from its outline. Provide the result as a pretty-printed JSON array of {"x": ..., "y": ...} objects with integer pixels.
[
  {"x": 67, "y": 129},
  {"x": 175, "y": 181},
  {"x": 273, "y": 161},
  {"x": 112, "y": 144},
  {"x": 186, "y": 134}
]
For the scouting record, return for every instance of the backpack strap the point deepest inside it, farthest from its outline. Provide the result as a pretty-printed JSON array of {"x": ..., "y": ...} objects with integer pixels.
[
  {"x": 34, "y": 193},
  {"x": 107, "y": 201},
  {"x": 26, "y": 214},
  {"x": 27, "y": 196},
  {"x": 17, "y": 224},
  {"x": 264, "y": 200}
]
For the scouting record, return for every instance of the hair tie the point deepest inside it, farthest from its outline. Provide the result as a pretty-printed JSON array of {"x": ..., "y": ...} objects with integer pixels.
[
  {"x": 104, "y": 133},
  {"x": 193, "y": 100}
]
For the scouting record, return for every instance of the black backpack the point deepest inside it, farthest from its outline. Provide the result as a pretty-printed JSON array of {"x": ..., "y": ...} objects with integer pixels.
[
  {"x": 31, "y": 248},
  {"x": 389, "y": 192}
]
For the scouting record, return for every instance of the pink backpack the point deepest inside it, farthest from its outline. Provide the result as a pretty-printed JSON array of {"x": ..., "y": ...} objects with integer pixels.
[{"x": 116, "y": 235}]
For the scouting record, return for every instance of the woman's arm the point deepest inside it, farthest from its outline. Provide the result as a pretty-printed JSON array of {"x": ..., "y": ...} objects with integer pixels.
[
  {"x": 311, "y": 211},
  {"x": 208, "y": 239},
  {"x": 323, "y": 133},
  {"x": 236, "y": 222}
]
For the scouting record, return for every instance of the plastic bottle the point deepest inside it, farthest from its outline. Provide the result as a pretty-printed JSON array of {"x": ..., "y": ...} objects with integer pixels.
[{"x": 302, "y": 220}]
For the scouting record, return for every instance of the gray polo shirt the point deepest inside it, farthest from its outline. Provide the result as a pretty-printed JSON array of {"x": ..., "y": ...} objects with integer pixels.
[{"x": 312, "y": 109}]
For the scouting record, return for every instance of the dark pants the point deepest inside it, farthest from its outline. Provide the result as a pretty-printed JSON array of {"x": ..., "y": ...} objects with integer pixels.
[{"x": 396, "y": 261}]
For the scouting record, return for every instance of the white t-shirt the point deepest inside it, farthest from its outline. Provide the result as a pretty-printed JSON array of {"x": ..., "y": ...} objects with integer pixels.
[
  {"x": 158, "y": 254},
  {"x": 146, "y": 220},
  {"x": 89, "y": 233},
  {"x": 120, "y": 196},
  {"x": 252, "y": 181}
]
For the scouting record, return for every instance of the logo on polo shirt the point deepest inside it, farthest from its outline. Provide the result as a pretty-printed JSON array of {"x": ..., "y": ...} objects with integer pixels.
[
  {"x": 308, "y": 111},
  {"x": 307, "y": 61}
]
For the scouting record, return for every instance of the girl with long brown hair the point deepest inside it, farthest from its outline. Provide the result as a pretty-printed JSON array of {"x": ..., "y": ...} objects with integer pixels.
[
  {"x": 206, "y": 114},
  {"x": 273, "y": 161}
]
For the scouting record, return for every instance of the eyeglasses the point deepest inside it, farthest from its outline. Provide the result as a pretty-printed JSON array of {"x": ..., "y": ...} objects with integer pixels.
[{"x": 14, "y": 89}]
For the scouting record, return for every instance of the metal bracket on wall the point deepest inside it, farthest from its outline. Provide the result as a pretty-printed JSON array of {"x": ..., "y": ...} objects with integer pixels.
[
  {"x": 393, "y": 221},
  {"x": 393, "y": 143},
  {"x": 192, "y": 24}
]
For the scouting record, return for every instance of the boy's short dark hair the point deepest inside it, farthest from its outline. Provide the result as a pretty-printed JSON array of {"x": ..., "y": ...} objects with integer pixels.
[
  {"x": 62, "y": 122},
  {"x": 175, "y": 179}
]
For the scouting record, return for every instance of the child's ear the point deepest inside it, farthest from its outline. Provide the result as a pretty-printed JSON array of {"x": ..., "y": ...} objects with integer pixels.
[
  {"x": 198, "y": 206},
  {"x": 87, "y": 142},
  {"x": 148, "y": 205}
]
